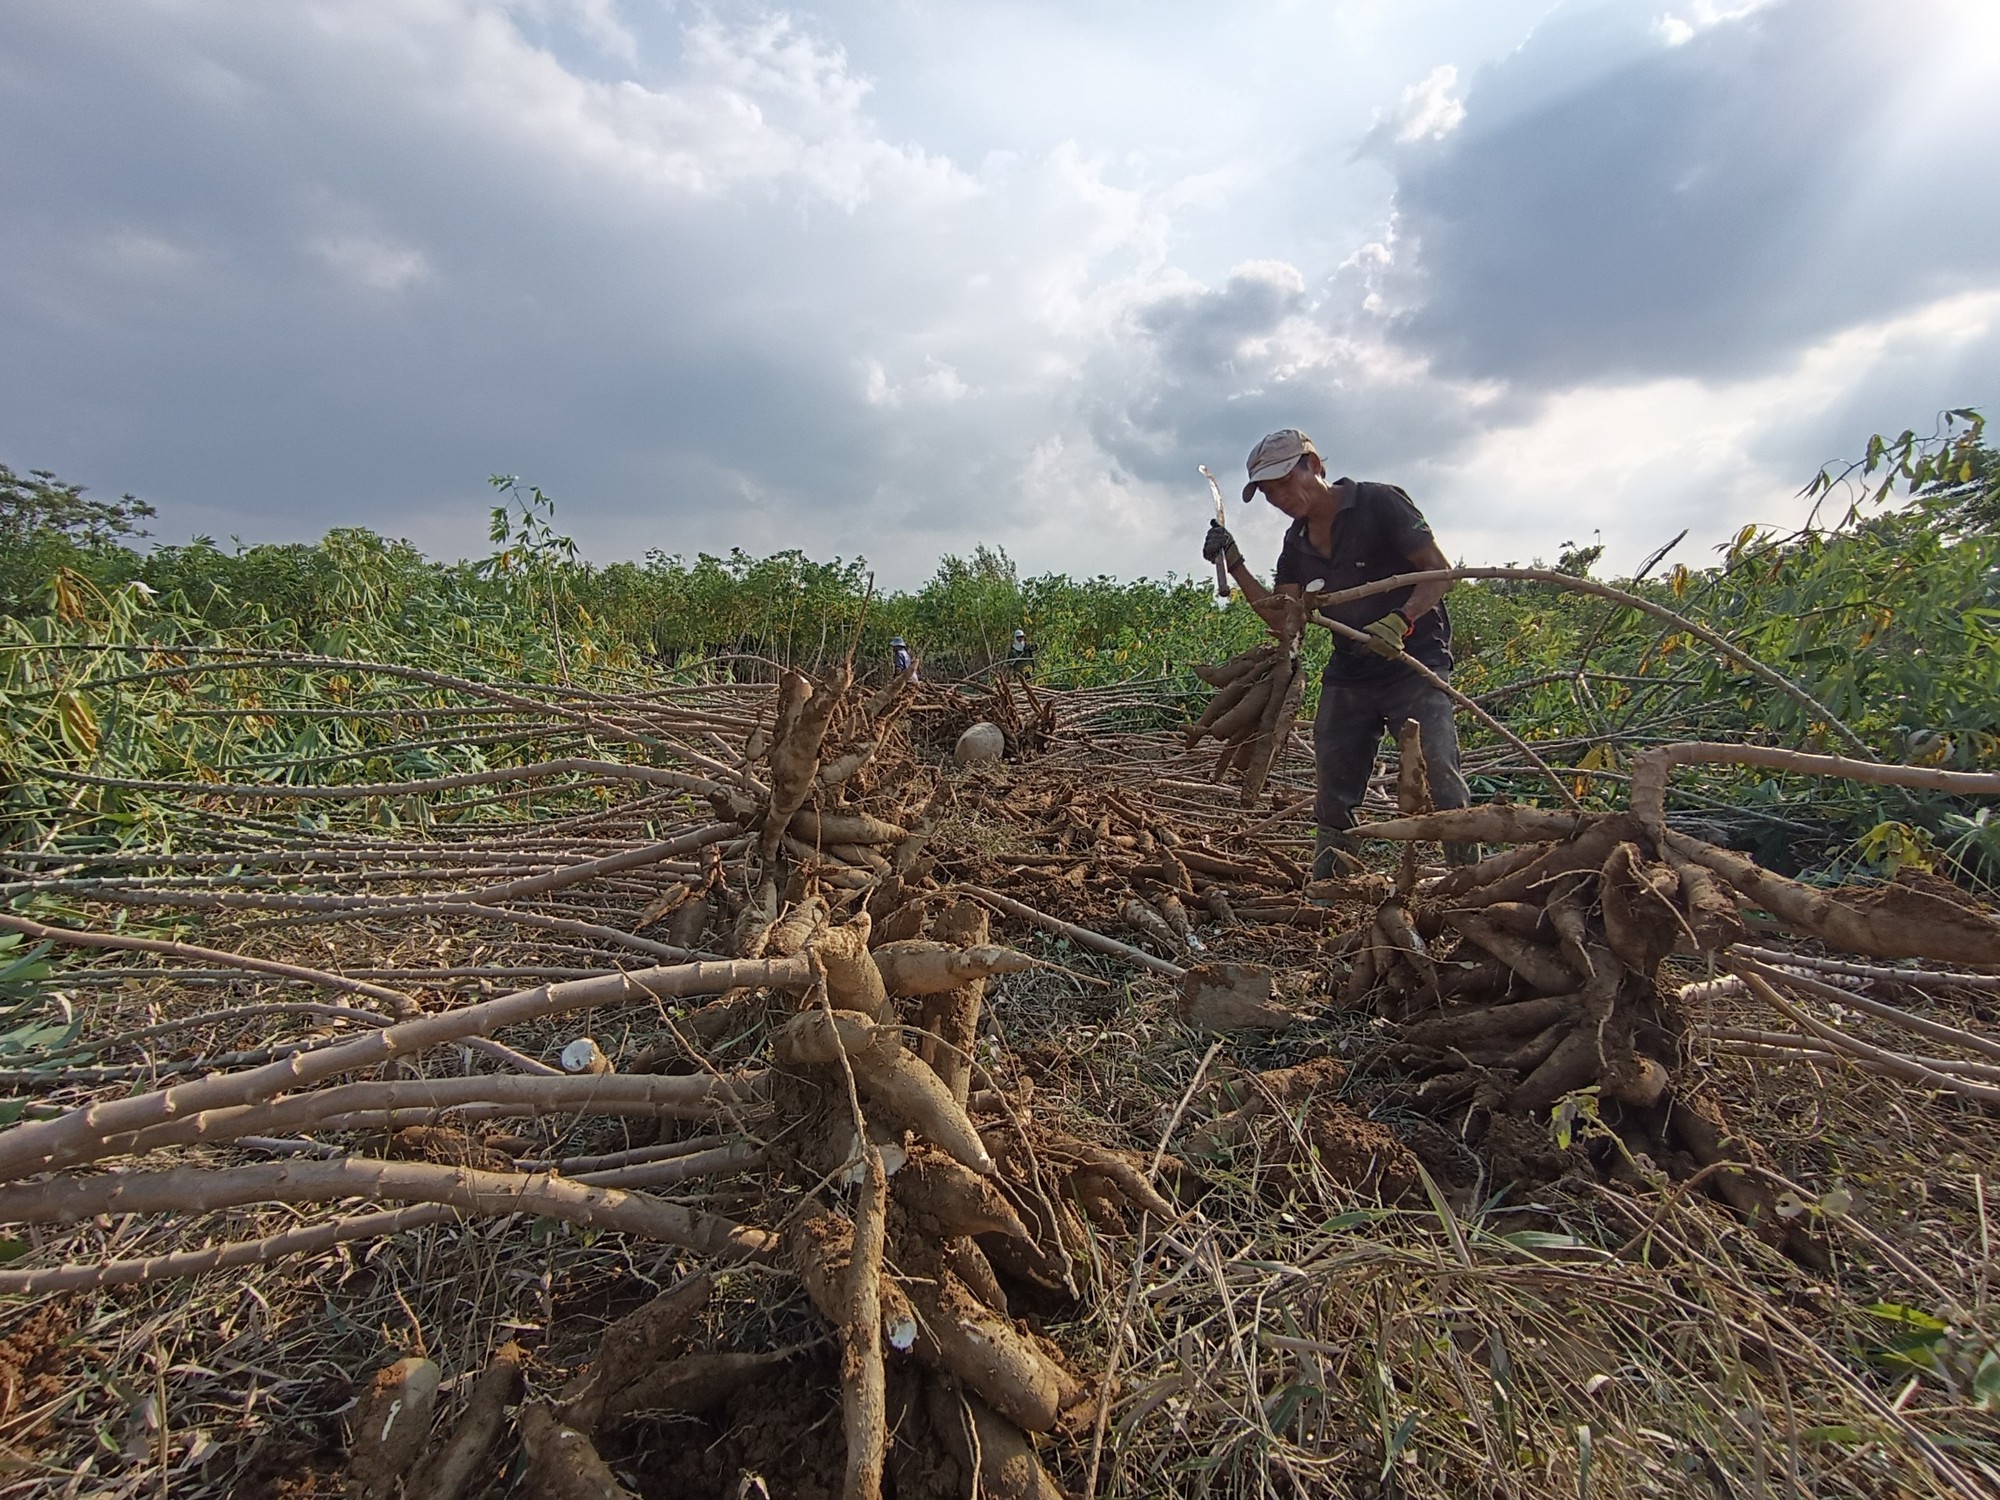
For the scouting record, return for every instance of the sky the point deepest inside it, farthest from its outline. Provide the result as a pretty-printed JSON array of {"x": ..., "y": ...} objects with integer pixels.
[{"x": 893, "y": 279}]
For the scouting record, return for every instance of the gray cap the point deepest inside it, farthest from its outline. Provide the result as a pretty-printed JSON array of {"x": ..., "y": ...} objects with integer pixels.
[{"x": 1276, "y": 456}]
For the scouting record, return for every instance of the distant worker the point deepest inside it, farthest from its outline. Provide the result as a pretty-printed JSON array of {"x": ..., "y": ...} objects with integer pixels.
[
  {"x": 1021, "y": 655},
  {"x": 1345, "y": 533},
  {"x": 900, "y": 659}
]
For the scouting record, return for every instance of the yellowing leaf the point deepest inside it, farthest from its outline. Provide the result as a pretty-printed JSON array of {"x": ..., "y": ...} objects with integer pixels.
[
  {"x": 72, "y": 591},
  {"x": 1596, "y": 758},
  {"x": 78, "y": 723}
]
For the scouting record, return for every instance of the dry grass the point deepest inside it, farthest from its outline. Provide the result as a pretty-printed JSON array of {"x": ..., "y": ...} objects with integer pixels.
[
  {"x": 1595, "y": 1340},
  {"x": 1284, "y": 1336}
]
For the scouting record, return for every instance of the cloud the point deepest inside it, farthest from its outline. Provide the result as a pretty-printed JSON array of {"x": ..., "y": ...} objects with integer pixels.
[
  {"x": 1615, "y": 207},
  {"x": 1428, "y": 111},
  {"x": 1639, "y": 286},
  {"x": 376, "y": 264},
  {"x": 939, "y": 382},
  {"x": 737, "y": 276},
  {"x": 651, "y": 298},
  {"x": 1683, "y": 23},
  {"x": 596, "y": 23},
  {"x": 1638, "y": 462}
]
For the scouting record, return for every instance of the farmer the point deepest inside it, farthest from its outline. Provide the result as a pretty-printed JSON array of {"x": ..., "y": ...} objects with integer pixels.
[
  {"x": 1347, "y": 532},
  {"x": 1021, "y": 654},
  {"x": 901, "y": 662}
]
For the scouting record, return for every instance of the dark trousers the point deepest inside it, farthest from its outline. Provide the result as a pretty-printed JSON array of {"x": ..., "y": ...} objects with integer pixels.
[{"x": 1347, "y": 733}]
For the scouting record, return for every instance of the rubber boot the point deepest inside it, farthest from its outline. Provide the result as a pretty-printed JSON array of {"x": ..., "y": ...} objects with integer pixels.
[
  {"x": 1456, "y": 855},
  {"x": 1335, "y": 853}
]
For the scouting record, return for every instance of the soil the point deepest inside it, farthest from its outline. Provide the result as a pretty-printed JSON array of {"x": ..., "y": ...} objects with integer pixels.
[
  {"x": 784, "y": 1431},
  {"x": 1355, "y": 1153},
  {"x": 288, "y": 1470},
  {"x": 1360, "y": 1155},
  {"x": 1306, "y": 1082},
  {"x": 1919, "y": 898},
  {"x": 31, "y": 1360},
  {"x": 1524, "y": 1151}
]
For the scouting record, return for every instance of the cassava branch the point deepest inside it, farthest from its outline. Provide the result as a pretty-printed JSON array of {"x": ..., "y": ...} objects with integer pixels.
[
  {"x": 65, "y": 1200},
  {"x": 179, "y": 1265},
  {"x": 311, "y": 1239},
  {"x": 1080, "y": 935},
  {"x": 79, "y": 1136},
  {"x": 692, "y": 1097},
  {"x": 70, "y": 937},
  {"x": 1680, "y": 622},
  {"x": 359, "y": 791},
  {"x": 401, "y": 1003},
  {"x": 1443, "y": 685},
  {"x": 1651, "y": 768}
]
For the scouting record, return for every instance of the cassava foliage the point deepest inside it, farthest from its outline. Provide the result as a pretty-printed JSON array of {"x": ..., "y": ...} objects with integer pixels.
[{"x": 1885, "y": 608}]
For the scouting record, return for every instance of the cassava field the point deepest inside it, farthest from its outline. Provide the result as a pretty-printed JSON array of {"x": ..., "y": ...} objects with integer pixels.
[{"x": 526, "y": 1028}]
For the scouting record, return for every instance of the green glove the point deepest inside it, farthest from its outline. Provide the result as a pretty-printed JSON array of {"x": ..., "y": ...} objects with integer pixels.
[{"x": 1386, "y": 635}]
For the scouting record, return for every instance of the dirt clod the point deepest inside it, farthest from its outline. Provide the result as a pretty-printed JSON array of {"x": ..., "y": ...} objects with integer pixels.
[{"x": 31, "y": 1361}]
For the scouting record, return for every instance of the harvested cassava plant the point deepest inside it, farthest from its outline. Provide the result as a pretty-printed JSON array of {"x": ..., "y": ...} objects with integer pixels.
[{"x": 896, "y": 1132}]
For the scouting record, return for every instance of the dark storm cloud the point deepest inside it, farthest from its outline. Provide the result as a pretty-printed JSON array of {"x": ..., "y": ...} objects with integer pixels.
[
  {"x": 283, "y": 267},
  {"x": 1206, "y": 371},
  {"x": 1202, "y": 329},
  {"x": 1616, "y": 207},
  {"x": 1630, "y": 276},
  {"x": 287, "y": 269}
]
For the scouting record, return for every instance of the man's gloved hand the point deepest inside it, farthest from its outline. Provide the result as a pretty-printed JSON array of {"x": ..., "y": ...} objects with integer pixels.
[
  {"x": 1220, "y": 546},
  {"x": 1386, "y": 635}
]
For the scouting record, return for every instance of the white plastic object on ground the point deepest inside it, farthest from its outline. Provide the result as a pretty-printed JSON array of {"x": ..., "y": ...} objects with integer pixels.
[
  {"x": 980, "y": 745},
  {"x": 584, "y": 1056}
]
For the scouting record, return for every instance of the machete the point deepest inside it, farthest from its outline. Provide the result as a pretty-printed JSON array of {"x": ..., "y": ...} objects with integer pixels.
[{"x": 1222, "y": 520}]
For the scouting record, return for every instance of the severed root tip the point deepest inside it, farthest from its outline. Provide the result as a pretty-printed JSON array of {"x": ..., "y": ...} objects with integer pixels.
[
  {"x": 463, "y": 1459},
  {"x": 630, "y": 1347},
  {"x": 391, "y": 1423},
  {"x": 914, "y": 967},
  {"x": 584, "y": 1056},
  {"x": 975, "y": 1433},
  {"x": 563, "y": 1464}
]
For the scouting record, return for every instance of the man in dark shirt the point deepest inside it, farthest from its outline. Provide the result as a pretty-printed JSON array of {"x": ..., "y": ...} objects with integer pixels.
[{"x": 1345, "y": 533}]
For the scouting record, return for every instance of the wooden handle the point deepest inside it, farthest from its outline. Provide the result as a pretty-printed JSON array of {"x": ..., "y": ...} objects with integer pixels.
[{"x": 1222, "y": 578}]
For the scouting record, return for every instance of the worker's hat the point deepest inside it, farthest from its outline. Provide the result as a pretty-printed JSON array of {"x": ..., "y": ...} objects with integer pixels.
[{"x": 1276, "y": 456}]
